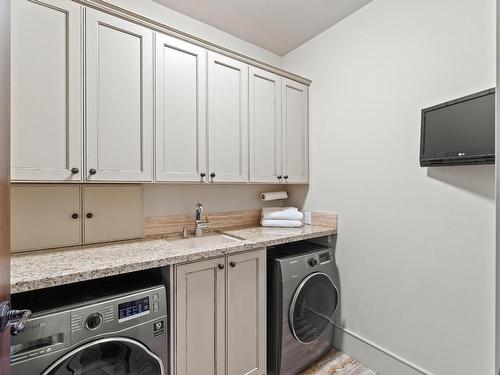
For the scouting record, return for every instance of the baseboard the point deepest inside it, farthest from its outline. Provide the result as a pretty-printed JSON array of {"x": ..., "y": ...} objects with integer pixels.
[{"x": 380, "y": 360}]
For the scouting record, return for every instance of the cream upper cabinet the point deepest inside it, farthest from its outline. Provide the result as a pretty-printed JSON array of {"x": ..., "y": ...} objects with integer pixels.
[
  {"x": 227, "y": 119},
  {"x": 46, "y": 131},
  {"x": 246, "y": 313},
  {"x": 199, "y": 332},
  {"x": 108, "y": 100},
  {"x": 265, "y": 126},
  {"x": 295, "y": 118},
  {"x": 180, "y": 110},
  {"x": 119, "y": 79}
]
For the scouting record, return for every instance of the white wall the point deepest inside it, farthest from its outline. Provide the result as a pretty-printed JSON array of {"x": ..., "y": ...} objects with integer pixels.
[
  {"x": 416, "y": 245},
  {"x": 196, "y": 28},
  {"x": 165, "y": 199}
]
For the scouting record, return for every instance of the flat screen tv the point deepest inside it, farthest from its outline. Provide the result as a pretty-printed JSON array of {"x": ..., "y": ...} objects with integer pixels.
[{"x": 459, "y": 132}]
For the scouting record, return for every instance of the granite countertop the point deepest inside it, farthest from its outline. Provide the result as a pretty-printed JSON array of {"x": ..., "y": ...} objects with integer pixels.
[{"x": 44, "y": 269}]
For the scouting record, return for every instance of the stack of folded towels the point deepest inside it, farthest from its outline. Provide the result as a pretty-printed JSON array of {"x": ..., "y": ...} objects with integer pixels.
[{"x": 284, "y": 217}]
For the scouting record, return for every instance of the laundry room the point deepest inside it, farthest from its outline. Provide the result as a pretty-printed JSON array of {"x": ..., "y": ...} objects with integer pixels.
[{"x": 267, "y": 187}]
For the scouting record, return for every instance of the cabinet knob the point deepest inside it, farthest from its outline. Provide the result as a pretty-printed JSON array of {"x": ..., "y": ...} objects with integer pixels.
[
  {"x": 92, "y": 171},
  {"x": 285, "y": 177},
  {"x": 212, "y": 174},
  {"x": 75, "y": 170},
  {"x": 74, "y": 216},
  {"x": 90, "y": 215},
  {"x": 220, "y": 266},
  {"x": 279, "y": 177},
  {"x": 232, "y": 264},
  {"x": 203, "y": 174}
]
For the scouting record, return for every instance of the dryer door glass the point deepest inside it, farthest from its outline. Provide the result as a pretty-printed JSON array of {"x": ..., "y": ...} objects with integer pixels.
[
  {"x": 117, "y": 356},
  {"x": 313, "y": 307}
]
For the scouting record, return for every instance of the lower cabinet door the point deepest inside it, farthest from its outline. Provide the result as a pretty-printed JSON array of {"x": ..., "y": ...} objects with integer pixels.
[
  {"x": 199, "y": 335},
  {"x": 246, "y": 313}
]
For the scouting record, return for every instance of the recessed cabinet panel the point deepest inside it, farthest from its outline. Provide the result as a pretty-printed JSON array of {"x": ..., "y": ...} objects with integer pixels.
[
  {"x": 119, "y": 99},
  {"x": 227, "y": 119},
  {"x": 246, "y": 313},
  {"x": 265, "y": 126},
  {"x": 200, "y": 318},
  {"x": 46, "y": 131},
  {"x": 180, "y": 110},
  {"x": 295, "y": 132},
  {"x": 112, "y": 213},
  {"x": 45, "y": 217}
]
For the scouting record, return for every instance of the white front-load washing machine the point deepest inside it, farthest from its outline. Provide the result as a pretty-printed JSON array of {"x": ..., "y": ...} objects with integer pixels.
[{"x": 303, "y": 297}]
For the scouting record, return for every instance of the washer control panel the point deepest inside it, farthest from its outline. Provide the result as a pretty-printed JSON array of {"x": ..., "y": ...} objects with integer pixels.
[{"x": 116, "y": 314}]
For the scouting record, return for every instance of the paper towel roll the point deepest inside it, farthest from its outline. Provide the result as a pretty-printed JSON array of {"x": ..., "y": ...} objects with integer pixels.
[{"x": 273, "y": 196}]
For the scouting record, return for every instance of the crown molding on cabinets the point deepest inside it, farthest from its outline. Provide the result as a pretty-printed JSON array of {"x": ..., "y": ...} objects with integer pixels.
[{"x": 105, "y": 6}]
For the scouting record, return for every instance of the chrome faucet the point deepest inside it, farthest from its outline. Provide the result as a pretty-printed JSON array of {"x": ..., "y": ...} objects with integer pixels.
[{"x": 198, "y": 224}]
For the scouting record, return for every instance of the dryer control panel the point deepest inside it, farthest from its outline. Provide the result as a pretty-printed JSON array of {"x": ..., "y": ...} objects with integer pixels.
[
  {"x": 116, "y": 314},
  {"x": 325, "y": 257}
]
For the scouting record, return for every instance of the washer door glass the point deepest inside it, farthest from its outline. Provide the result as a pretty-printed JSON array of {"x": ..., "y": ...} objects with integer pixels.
[
  {"x": 313, "y": 307},
  {"x": 116, "y": 356}
]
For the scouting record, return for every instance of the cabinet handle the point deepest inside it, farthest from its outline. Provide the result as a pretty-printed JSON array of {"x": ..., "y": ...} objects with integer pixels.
[
  {"x": 90, "y": 215},
  {"x": 74, "y": 216},
  {"x": 285, "y": 177},
  {"x": 220, "y": 266},
  {"x": 212, "y": 174},
  {"x": 279, "y": 177},
  {"x": 92, "y": 171},
  {"x": 232, "y": 264},
  {"x": 75, "y": 170},
  {"x": 203, "y": 174}
]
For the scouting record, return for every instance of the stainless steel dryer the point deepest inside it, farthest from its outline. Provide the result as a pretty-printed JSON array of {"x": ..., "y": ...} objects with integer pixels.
[
  {"x": 121, "y": 335},
  {"x": 303, "y": 297}
]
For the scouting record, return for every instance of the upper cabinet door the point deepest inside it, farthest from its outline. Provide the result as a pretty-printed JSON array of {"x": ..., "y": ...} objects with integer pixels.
[
  {"x": 180, "y": 110},
  {"x": 227, "y": 119},
  {"x": 265, "y": 126},
  {"x": 46, "y": 131},
  {"x": 295, "y": 115},
  {"x": 119, "y": 57}
]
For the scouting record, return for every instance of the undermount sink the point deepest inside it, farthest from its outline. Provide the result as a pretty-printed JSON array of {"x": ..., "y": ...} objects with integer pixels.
[{"x": 209, "y": 240}]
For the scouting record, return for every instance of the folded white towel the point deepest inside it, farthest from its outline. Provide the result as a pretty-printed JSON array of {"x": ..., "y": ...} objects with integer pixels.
[
  {"x": 282, "y": 213},
  {"x": 281, "y": 223}
]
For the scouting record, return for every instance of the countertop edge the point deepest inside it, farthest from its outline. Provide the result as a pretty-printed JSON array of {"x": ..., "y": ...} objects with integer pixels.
[{"x": 245, "y": 245}]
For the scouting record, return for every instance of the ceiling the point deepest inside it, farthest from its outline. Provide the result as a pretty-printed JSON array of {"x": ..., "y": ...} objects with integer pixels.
[{"x": 279, "y": 26}]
